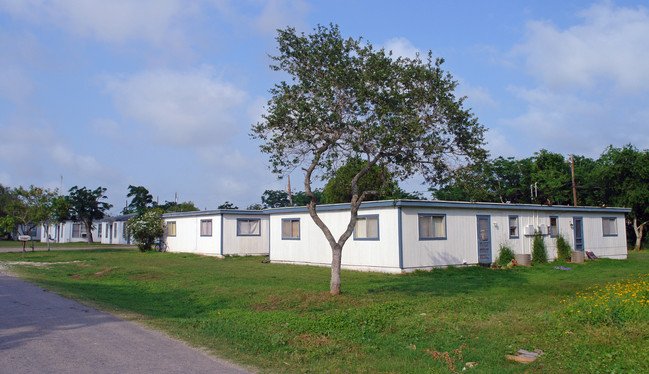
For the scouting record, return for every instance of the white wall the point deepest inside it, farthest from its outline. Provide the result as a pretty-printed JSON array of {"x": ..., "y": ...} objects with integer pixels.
[
  {"x": 313, "y": 248},
  {"x": 234, "y": 244},
  {"x": 224, "y": 239}
]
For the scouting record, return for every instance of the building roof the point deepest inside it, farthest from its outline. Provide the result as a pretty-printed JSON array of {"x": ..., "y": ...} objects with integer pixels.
[{"x": 454, "y": 204}]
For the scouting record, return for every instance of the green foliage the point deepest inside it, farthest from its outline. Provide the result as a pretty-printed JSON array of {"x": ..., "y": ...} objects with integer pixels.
[
  {"x": 146, "y": 228},
  {"x": 255, "y": 206},
  {"x": 86, "y": 206},
  {"x": 186, "y": 206},
  {"x": 376, "y": 180},
  {"x": 24, "y": 209},
  {"x": 615, "y": 303},
  {"x": 346, "y": 99},
  {"x": 227, "y": 205},
  {"x": 141, "y": 200},
  {"x": 274, "y": 199},
  {"x": 539, "y": 252},
  {"x": 564, "y": 251},
  {"x": 300, "y": 198},
  {"x": 505, "y": 255}
]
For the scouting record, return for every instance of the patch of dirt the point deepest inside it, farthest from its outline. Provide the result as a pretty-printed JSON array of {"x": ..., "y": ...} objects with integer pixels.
[{"x": 96, "y": 275}]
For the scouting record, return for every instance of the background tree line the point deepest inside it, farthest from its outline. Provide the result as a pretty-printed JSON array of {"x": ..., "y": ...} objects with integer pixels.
[{"x": 619, "y": 177}]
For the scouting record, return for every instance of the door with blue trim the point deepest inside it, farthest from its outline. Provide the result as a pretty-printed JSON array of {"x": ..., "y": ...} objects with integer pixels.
[
  {"x": 578, "y": 226},
  {"x": 484, "y": 239}
]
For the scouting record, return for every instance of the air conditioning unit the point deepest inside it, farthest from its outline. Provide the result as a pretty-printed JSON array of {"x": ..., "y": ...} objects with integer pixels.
[
  {"x": 543, "y": 229},
  {"x": 528, "y": 230}
]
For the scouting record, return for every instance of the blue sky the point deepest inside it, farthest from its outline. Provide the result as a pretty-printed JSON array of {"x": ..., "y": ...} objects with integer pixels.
[{"x": 162, "y": 93}]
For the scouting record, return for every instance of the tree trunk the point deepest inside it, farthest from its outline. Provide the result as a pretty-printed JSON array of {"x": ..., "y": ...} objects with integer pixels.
[
  {"x": 639, "y": 231},
  {"x": 336, "y": 257},
  {"x": 88, "y": 230}
]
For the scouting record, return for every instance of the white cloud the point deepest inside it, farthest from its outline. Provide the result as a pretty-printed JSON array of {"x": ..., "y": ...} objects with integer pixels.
[
  {"x": 180, "y": 108},
  {"x": 278, "y": 14},
  {"x": 610, "y": 46},
  {"x": 33, "y": 152},
  {"x": 402, "y": 47},
  {"x": 111, "y": 21}
]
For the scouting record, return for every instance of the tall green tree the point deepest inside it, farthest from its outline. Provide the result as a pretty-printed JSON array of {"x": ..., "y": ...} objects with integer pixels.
[
  {"x": 227, "y": 205},
  {"x": 377, "y": 182},
  {"x": 346, "y": 99},
  {"x": 185, "y": 206},
  {"x": 141, "y": 200},
  {"x": 86, "y": 206},
  {"x": 28, "y": 209},
  {"x": 624, "y": 176},
  {"x": 274, "y": 199}
]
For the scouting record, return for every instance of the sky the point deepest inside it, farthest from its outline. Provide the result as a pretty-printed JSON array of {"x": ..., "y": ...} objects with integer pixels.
[{"x": 163, "y": 93}]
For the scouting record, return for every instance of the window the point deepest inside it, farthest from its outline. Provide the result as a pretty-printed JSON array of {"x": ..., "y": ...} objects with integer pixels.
[
  {"x": 99, "y": 229},
  {"x": 79, "y": 230},
  {"x": 171, "y": 228},
  {"x": 513, "y": 227},
  {"x": 106, "y": 232},
  {"x": 554, "y": 227},
  {"x": 115, "y": 230},
  {"x": 609, "y": 226},
  {"x": 291, "y": 228},
  {"x": 367, "y": 228},
  {"x": 248, "y": 227},
  {"x": 206, "y": 227},
  {"x": 432, "y": 226}
]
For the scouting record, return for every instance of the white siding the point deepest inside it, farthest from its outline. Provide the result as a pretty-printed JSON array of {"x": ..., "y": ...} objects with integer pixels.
[
  {"x": 312, "y": 247},
  {"x": 224, "y": 239},
  {"x": 459, "y": 247},
  {"x": 234, "y": 244}
]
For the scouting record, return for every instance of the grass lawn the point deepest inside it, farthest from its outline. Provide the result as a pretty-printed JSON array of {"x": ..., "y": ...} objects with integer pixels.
[
  {"x": 38, "y": 244},
  {"x": 280, "y": 318}
]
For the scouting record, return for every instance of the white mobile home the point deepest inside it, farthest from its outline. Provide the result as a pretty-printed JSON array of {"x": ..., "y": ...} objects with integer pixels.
[
  {"x": 112, "y": 230},
  {"x": 405, "y": 235},
  {"x": 218, "y": 232},
  {"x": 67, "y": 232}
]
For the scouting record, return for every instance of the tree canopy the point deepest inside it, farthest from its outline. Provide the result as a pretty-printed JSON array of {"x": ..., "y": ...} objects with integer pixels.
[
  {"x": 141, "y": 200},
  {"x": 86, "y": 206},
  {"x": 345, "y": 100}
]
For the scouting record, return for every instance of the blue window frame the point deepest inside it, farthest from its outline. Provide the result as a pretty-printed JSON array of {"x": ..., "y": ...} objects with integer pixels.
[
  {"x": 367, "y": 227},
  {"x": 290, "y": 229},
  {"x": 432, "y": 226},
  {"x": 171, "y": 228},
  {"x": 513, "y": 227},
  {"x": 554, "y": 226},
  {"x": 248, "y": 227},
  {"x": 609, "y": 226},
  {"x": 206, "y": 227}
]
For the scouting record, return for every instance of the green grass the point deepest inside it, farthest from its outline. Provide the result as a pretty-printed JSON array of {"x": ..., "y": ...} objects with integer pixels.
[
  {"x": 38, "y": 244},
  {"x": 280, "y": 318}
]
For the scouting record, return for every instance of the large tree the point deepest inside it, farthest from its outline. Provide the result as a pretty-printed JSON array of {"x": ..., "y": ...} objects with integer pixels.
[
  {"x": 141, "y": 200},
  {"x": 377, "y": 179},
  {"x": 27, "y": 209},
  {"x": 346, "y": 99},
  {"x": 86, "y": 206},
  {"x": 624, "y": 176}
]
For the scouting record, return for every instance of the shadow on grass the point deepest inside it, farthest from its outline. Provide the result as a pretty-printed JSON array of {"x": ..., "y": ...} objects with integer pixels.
[{"x": 449, "y": 281}]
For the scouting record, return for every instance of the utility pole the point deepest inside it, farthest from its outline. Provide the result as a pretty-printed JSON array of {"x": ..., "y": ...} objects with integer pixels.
[
  {"x": 574, "y": 187},
  {"x": 290, "y": 198}
]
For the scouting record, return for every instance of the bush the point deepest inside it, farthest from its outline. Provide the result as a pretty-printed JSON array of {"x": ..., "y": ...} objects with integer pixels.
[
  {"x": 146, "y": 228},
  {"x": 539, "y": 253},
  {"x": 505, "y": 256},
  {"x": 563, "y": 249}
]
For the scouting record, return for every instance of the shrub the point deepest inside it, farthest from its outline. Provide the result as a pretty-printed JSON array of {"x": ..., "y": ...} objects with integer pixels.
[
  {"x": 146, "y": 228},
  {"x": 539, "y": 253},
  {"x": 563, "y": 249},
  {"x": 505, "y": 256}
]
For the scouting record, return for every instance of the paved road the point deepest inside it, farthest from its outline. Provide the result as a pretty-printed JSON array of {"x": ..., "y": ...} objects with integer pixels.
[{"x": 41, "y": 332}]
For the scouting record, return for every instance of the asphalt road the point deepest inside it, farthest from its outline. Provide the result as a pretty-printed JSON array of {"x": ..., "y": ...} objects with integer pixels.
[{"x": 41, "y": 332}]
